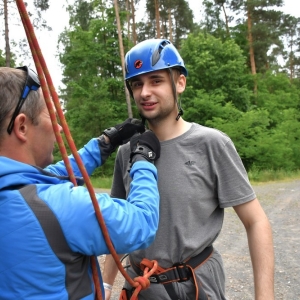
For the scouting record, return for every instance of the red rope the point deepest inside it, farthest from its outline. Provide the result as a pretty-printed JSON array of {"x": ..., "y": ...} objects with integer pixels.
[{"x": 47, "y": 85}]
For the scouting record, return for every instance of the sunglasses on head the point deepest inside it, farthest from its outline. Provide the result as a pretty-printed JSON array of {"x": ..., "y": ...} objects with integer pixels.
[{"x": 32, "y": 83}]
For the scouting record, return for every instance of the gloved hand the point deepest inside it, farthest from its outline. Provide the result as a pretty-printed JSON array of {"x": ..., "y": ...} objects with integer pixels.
[
  {"x": 144, "y": 146},
  {"x": 121, "y": 133}
]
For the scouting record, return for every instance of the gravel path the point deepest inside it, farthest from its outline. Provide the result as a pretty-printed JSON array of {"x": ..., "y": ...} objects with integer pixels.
[{"x": 281, "y": 202}]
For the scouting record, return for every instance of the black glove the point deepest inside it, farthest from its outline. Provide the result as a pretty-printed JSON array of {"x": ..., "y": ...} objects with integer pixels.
[
  {"x": 121, "y": 133},
  {"x": 144, "y": 146}
]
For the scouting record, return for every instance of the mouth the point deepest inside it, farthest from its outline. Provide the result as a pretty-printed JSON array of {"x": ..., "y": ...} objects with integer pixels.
[{"x": 148, "y": 105}]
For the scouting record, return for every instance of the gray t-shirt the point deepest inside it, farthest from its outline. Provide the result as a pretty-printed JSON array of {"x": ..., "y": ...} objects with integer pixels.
[{"x": 199, "y": 174}]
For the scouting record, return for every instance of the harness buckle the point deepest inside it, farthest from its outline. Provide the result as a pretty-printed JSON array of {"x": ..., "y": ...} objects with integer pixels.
[{"x": 183, "y": 271}]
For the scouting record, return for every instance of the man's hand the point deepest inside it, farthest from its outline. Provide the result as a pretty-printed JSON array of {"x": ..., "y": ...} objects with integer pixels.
[
  {"x": 121, "y": 133},
  {"x": 145, "y": 146}
]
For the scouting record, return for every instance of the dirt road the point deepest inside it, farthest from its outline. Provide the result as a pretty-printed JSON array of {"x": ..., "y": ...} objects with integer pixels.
[{"x": 281, "y": 201}]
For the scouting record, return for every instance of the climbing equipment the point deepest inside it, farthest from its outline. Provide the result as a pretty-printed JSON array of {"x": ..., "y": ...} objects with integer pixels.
[
  {"x": 152, "y": 55},
  {"x": 179, "y": 272}
]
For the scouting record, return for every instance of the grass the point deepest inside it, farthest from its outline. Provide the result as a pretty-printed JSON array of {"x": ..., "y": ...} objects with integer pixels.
[
  {"x": 258, "y": 176},
  {"x": 255, "y": 176},
  {"x": 101, "y": 182}
]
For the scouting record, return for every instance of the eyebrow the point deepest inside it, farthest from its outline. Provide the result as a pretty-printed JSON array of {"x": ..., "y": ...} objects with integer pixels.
[{"x": 154, "y": 76}]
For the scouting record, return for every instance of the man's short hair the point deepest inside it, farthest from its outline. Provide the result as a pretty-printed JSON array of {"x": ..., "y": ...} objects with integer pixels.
[{"x": 11, "y": 85}]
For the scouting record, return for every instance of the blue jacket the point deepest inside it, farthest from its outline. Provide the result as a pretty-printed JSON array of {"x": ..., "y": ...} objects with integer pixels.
[{"x": 49, "y": 230}]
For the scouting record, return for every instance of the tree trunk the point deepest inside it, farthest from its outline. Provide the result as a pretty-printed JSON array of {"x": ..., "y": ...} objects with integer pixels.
[
  {"x": 156, "y": 2},
  {"x": 128, "y": 17},
  {"x": 251, "y": 49},
  {"x": 7, "y": 48},
  {"x": 291, "y": 60},
  {"x": 134, "y": 35},
  {"x": 129, "y": 109},
  {"x": 226, "y": 21},
  {"x": 170, "y": 24}
]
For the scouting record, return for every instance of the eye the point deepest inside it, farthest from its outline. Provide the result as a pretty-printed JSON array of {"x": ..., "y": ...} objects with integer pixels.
[
  {"x": 156, "y": 81},
  {"x": 136, "y": 84}
]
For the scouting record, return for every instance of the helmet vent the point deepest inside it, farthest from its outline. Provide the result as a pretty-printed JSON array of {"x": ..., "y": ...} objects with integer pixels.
[
  {"x": 156, "y": 53},
  {"x": 155, "y": 57}
]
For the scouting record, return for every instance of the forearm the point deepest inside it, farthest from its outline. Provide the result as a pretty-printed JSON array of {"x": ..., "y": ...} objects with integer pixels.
[
  {"x": 110, "y": 270},
  {"x": 90, "y": 156},
  {"x": 109, "y": 273},
  {"x": 262, "y": 256}
]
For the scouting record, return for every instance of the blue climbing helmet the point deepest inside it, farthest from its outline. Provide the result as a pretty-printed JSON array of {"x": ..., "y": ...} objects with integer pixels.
[{"x": 152, "y": 55}]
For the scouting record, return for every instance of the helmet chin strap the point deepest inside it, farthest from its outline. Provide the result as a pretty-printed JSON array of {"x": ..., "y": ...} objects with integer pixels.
[{"x": 180, "y": 110}]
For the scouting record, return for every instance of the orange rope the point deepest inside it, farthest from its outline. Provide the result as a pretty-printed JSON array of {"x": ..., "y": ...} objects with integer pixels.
[
  {"x": 143, "y": 281},
  {"x": 43, "y": 73}
]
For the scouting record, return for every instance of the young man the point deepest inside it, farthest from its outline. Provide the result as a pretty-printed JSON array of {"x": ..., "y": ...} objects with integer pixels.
[
  {"x": 49, "y": 229},
  {"x": 200, "y": 174}
]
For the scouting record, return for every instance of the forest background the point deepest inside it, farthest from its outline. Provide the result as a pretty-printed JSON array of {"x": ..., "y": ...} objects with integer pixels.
[{"x": 243, "y": 61}]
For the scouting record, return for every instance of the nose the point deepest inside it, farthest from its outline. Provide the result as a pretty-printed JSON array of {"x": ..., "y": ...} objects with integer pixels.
[{"x": 146, "y": 90}]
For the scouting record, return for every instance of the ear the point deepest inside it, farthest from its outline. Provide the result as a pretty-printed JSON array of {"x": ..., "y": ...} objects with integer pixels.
[
  {"x": 181, "y": 83},
  {"x": 21, "y": 127}
]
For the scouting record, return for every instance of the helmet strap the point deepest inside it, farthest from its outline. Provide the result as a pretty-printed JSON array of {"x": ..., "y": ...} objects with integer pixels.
[
  {"x": 180, "y": 111},
  {"x": 129, "y": 88}
]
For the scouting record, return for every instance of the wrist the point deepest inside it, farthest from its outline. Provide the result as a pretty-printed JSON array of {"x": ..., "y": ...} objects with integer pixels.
[
  {"x": 107, "y": 286},
  {"x": 142, "y": 152},
  {"x": 104, "y": 139},
  {"x": 113, "y": 135}
]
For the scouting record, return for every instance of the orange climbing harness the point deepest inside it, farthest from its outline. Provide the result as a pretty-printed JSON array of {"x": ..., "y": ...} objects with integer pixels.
[{"x": 47, "y": 86}]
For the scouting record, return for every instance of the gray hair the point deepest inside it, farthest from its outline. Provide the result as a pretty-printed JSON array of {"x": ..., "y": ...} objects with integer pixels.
[{"x": 11, "y": 85}]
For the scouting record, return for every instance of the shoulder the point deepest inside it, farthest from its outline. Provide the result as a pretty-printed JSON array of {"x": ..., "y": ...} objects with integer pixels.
[{"x": 209, "y": 135}]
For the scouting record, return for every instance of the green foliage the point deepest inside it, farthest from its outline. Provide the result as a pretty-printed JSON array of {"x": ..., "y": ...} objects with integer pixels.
[
  {"x": 268, "y": 25},
  {"x": 266, "y": 133},
  {"x": 95, "y": 89},
  {"x": 216, "y": 67},
  {"x": 265, "y": 127},
  {"x": 104, "y": 182},
  {"x": 94, "y": 94},
  {"x": 2, "y": 59}
]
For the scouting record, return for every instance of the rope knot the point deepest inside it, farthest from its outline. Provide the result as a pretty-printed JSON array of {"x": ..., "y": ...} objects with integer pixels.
[{"x": 143, "y": 282}]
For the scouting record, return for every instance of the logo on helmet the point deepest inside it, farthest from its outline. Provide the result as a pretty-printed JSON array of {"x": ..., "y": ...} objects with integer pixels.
[{"x": 138, "y": 64}]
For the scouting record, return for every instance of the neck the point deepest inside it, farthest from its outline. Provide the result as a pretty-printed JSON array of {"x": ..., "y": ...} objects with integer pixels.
[{"x": 169, "y": 128}]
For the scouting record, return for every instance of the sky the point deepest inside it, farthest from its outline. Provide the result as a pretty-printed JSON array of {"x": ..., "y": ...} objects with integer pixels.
[{"x": 57, "y": 18}]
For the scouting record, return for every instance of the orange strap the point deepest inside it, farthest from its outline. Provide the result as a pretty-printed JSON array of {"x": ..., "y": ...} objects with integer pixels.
[{"x": 191, "y": 264}]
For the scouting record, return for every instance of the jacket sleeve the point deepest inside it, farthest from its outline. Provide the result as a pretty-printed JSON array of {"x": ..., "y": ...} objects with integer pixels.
[
  {"x": 131, "y": 224},
  {"x": 90, "y": 155}
]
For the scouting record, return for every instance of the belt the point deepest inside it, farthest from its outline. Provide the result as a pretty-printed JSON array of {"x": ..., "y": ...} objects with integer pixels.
[{"x": 179, "y": 272}]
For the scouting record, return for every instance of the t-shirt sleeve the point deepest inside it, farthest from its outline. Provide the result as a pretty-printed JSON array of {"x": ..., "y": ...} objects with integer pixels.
[{"x": 233, "y": 185}]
